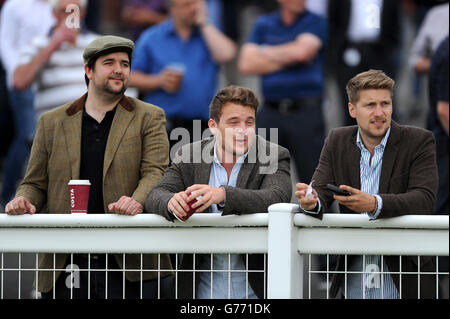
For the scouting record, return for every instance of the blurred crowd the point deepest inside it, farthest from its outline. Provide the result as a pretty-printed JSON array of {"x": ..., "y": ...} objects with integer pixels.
[{"x": 42, "y": 65}]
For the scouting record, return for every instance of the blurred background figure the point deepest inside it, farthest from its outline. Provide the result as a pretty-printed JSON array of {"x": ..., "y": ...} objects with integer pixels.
[
  {"x": 54, "y": 62},
  {"x": 433, "y": 29},
  {"x": 21, "y": 21},
  {"x": 364, "y": 34},
  {"x": 431, "y": 33},
  {"x": 286, "y": 48},
  {"x": 138, "y": 15},
  {"x": 438, "y": 119},
  {"x": 176, "y": 65},
  {"x": 6, "y": 119},
  {"x": 438, "y": 123}
]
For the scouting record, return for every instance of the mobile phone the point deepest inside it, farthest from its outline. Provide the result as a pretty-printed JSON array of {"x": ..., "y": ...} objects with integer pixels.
[{"x": 337, "y": 190}]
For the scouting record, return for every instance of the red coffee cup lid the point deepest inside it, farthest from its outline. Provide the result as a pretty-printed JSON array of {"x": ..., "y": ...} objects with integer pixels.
[{"x": 79, "y": 182}]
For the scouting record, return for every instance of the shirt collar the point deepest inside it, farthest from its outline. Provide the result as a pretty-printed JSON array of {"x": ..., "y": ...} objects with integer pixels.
[
  {"x": 108, "y": 115},
  {"x": 170, "y": 28},
  {"x": 383, "y": 143},
  {"x": 239, "y": 160}
]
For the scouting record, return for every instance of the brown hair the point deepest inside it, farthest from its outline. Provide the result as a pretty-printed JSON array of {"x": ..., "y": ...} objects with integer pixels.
[
  {"x": 232, "y": 94},
  {"x": 372, "y": 79}
]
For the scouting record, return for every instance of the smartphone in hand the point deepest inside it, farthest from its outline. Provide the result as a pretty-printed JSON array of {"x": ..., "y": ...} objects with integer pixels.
[{"x": 337, "y": 190}]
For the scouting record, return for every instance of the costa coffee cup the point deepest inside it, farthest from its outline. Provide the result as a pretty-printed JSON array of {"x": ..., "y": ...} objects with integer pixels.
[
  {"x": 191, "y": 210},
  {"x": 79, "y": 195}
]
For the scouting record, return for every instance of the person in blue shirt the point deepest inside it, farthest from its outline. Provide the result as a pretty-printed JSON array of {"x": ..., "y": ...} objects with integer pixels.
[
  {"x": 287, "y": 49},
  {"x": 176, "y": 65}
]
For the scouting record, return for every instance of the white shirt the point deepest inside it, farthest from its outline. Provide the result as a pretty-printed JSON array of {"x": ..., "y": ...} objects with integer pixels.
[
  {"x": 62, "y": 78},
  {"x": 365, "y": 20},
  {"x": 433, "y": 30},
  {"x": 21, "y": 21}
]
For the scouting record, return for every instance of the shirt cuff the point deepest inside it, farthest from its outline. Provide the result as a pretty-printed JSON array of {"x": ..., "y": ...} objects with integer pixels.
[
  {"x": 173, "y": 213},
  {"x": 221, "y": 206},
  {"x": 380, "y": 205},
  {"x": 318, "y": 206}
]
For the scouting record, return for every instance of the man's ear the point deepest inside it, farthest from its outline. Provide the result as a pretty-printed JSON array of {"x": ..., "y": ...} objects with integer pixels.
[
  {"x": 212, "y": 126},
  {"x": 352, "y": 110},
  {"x": 88, "y": 71}
]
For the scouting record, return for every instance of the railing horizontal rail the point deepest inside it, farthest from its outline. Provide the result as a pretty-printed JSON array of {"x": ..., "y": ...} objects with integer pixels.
[
  {"x": 121, "y": 221},
  {"x": 361, "y": 220},
  {"x": 133, "y": 240},
  {"x": 362, "y": 241},
  {"x": 139, "y": 234}
]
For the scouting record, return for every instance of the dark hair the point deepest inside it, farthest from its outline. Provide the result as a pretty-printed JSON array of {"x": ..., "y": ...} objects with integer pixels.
[
  {"x": 232, "y": 94},
  {"x": 372, "y": 79},
  {"x": 93, "y": 60}
]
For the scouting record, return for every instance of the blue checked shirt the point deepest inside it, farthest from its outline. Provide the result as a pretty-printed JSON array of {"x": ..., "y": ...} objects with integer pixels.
[
  {"x": 225, "y": 283},
  {"x": 370, "y": 284}
]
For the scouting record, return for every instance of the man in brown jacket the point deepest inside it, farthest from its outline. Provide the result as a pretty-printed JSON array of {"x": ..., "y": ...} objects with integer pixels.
[
  {"x": 388, "y": 170},
  {"x": 119, "y": 144},
  {"x": 233, "y": 172}
]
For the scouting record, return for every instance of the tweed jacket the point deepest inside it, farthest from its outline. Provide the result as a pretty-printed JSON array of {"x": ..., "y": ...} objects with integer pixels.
[
  {"x": 258, "y": 186},
  {"x": 136, "y": 157},
  {"x": 408, "y": 186}
]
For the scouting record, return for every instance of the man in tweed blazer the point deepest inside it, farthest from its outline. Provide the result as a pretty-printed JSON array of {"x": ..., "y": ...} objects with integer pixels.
[
  {"x": 228, "y": 174},
  {"x": 389, "y": 170},
  {"x": 118, "y": 143}
]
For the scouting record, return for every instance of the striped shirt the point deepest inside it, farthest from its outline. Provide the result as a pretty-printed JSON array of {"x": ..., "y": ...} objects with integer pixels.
[
  {"x": 62, "y": 78},
  {"x": 369, "y": 283}
]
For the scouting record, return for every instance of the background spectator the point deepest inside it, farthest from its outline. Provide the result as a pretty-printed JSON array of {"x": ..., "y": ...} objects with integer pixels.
[
  {"x": 432, "y": 31},
  {"x": 364, "y": 34},
  {"x": 138, "y": 15},
  {"x": 21, "y": 21},
  {"x": 176, "y": 64},
  {"x": 6, "y": 122},
  {"x": 55, "y": 61},
  {"x": 438, "y": 123},
  {"x": 287, "y": 49}
]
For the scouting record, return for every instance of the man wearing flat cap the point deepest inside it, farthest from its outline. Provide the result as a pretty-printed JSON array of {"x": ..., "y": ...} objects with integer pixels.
[{"x": 120, "y": 145}]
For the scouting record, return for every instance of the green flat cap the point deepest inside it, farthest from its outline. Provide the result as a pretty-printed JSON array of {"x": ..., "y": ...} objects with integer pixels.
[{"x": 106, "y": 44}]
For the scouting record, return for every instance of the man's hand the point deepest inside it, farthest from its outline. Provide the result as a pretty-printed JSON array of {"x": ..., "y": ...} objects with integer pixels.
[
  {"x": 358, "y": 201},
  {"x": 210, "y": 195},
  {"x": 63, "y": 34},
  {"x": 306, "y": 203},
  {"x": 178, "y": 205},
  {"x": 20, "y": 206},
  {"x": 169, "y": 81},
  {"x": 126, "y": 206},
  {"x": 201, "y": 16}
]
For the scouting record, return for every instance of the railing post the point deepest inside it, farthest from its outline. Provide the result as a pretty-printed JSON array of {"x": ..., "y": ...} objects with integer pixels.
[{"x": 285, "y": 265}]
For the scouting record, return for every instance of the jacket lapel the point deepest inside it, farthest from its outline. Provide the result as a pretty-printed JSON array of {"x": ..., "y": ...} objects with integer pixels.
[
  {"x": 389, "y": 155},
  {"x": 203, "y": 173},
  {"x": 72, "y": 134},
  {"x": 121, "y": 121}
]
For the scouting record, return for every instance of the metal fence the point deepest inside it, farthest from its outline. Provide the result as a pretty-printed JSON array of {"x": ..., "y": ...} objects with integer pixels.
[{"x": 290, "y": 243}]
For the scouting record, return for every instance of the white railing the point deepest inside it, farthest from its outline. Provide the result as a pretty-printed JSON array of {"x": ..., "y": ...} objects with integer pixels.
[
  {"x": 283, "y": 234},
  {"x": 413, "y": 235}
]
